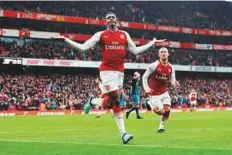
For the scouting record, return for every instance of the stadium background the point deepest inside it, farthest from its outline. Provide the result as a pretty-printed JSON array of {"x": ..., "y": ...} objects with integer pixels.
[{"x": 38, "y": 73}]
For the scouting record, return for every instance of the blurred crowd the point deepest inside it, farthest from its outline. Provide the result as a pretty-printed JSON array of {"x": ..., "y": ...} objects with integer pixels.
[
  {"x": 31, "y": 92},
  {"x": 65, "y": 91},
  {"x": 45, "y": 92},
  {"x": 212, "y": 15},
  {"x": 210, "y": 91},
  {"x": 59, "y": 50}
]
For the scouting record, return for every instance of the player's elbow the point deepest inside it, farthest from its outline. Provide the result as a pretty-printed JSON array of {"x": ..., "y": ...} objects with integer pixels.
[
  {"x": 76, "y": 46},
  {"x": 144, "y": 79},
  {"x": 146, "y": 74},
  {"x": 81, "y": 49},
  {"x": 84, "y": 49}
]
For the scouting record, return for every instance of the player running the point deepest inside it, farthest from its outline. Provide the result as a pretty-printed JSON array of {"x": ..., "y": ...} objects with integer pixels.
[
  {"x": 113, "y": 43},
  {"x": 135, "y": 96},
  {"x": 155, "y": 83}
]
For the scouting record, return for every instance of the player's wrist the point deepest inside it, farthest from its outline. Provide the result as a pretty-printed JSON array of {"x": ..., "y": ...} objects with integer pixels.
[
  {"x": 153, "y": 41},
  {"x": 147, "y": 90}
]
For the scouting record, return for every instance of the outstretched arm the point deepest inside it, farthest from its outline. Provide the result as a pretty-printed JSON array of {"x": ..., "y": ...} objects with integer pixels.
[
  {"x": 138, "y": 50},
  {"x": 85, "y": 46}
]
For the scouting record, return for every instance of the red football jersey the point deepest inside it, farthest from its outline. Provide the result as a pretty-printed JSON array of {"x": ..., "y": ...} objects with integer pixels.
[
  {"x": 113, "y": 45},
  {"x": 193, "y": 96},
  {"x": 113, "y": 48},
  {"x": 158, "y": 76}
]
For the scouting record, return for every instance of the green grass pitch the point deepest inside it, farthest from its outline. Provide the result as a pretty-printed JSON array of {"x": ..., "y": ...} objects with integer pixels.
[{"x": 199, "y": 133}]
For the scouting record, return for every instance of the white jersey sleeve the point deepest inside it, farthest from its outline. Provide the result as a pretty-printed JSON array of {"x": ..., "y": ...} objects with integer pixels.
[
  {"x": 88, "y": 44},
  {"x": 146, "y": 75},
  {"x": 173, "y": 77},
  {"x": 137, "y": 50}
]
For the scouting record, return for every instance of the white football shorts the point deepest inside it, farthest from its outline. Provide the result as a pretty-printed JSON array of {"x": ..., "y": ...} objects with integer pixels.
[
  {"x": 156, "y": 102},
  {"x": 111, "y": 81},
  {"x": 193, "y": 102}
]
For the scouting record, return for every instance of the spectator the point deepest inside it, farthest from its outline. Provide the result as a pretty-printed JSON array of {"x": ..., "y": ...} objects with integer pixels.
[
  {"x": 31, "y": 92},
  {"x": 211, "y": 15},
  {"x": 47, "y": 49}
]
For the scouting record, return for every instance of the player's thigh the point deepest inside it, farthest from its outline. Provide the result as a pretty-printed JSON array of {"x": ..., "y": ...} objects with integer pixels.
[
  {"x": 166, "y": 101},
  {"x": 155, "y": 103},
  {"x": 110, "y": 81}
]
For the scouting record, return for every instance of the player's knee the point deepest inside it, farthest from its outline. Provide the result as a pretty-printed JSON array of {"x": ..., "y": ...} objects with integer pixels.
[
  {"x": 116, "y": 109},
  {"x": 114, "y": 94},
  {"x": 166, "y": 111},
  {"x": 114, "y": 98},
  {"x": 159, "y": 112},
  {"x": 167, "y": 108}
]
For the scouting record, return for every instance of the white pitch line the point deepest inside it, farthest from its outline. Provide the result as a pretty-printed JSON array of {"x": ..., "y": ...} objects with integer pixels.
[
  {"x": 40, "y": 131},
  {"x": 47, "y": 131},
  {"x": 111, "y": 144},
  {"x": 85, "y": 129}
]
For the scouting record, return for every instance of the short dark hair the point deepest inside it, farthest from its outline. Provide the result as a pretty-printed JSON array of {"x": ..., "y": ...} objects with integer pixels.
[{"x": 110, "y": 12}]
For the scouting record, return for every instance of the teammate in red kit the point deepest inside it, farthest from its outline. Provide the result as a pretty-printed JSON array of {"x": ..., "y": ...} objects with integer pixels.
[
  {"x": 113, "y": 43},
  {"x": 155, "y": 83},
  {"x": 193, "y": 100}
]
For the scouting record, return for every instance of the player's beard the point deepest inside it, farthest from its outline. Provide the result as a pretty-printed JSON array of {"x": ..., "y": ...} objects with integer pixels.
[{"x": 112, "y": 26}]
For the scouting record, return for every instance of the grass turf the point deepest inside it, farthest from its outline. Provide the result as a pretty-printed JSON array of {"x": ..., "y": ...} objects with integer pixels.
[{"x": 205, "y": 133}]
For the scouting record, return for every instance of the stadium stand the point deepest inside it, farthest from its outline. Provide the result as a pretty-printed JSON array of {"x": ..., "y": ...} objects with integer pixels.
[
  {"x": 30, "y": 88},
  {"x": 213, "y": 15},
  {"x": 57, "y": 50}
]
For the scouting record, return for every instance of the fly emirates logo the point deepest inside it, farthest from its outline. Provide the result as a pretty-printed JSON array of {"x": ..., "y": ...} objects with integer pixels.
[
  {"x": 162, "y": 77},
  {"x": 114, "y": 46}
]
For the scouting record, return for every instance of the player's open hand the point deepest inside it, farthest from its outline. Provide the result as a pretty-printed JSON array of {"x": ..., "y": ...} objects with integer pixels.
[{"x": 159, "y": 40}]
